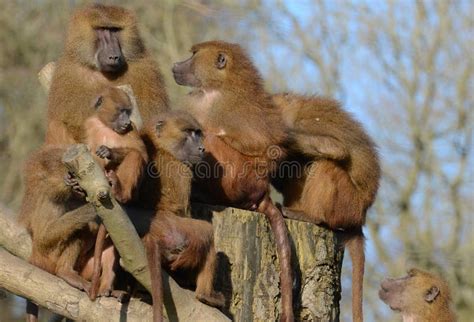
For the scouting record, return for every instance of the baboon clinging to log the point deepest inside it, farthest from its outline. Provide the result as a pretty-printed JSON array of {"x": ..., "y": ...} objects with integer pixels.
[
  {"x": 420, "y": 296},
  {"x": 112, "y": 136},
  {"x": 61, "y": 223},
  {"x": 331, "y": 175},
  {"x": 120, "y": 151},
  {"x": 242, "y": 131},
  {"x": 103, "y": 48}
]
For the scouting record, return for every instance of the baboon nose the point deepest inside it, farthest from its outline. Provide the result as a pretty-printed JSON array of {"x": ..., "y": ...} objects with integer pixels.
[{"x": 114, "y": 59}]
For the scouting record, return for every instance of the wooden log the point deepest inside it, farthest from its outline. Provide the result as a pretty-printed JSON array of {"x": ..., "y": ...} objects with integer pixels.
[{"x": 248, "y": 269}]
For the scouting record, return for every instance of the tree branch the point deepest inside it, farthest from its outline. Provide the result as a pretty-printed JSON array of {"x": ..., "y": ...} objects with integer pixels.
[{"x": 51, "y": 292}]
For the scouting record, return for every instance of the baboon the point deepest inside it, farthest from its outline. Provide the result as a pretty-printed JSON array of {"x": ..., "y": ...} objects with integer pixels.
[
  {"x": 121, "y": 152},
  {"x": 112, "y": 136},
  {"x": 61, "y": 223},
  {"x": 336, "y": 176},
  {"x": 103, "y": 48},
  {"x": 420, "y": 296},
  {"x": 243, "y": 137},
  {"x": 175, "y": 145}
]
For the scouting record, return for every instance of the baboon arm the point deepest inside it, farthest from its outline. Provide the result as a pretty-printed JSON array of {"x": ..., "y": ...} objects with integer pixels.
[
  {"x": 322, "y": 146},
  {"x": 57, "y": 133},
  {"x": 64, "y": 226},
  {"x": 129, "y": 174}
]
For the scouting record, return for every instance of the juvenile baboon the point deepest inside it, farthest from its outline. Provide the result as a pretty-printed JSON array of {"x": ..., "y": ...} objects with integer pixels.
[
  {"x": 331, "y": 174},
  {"x": 121, "y": 152},
  {"x": 420, "y": 296},
  {"x": 112, "y": 136},
  {"x": 61, "y": 224},
  {"x": 175, "y": 145},
  {"x": 243, "y": 130},
  {"x": 103, "y": 48}
]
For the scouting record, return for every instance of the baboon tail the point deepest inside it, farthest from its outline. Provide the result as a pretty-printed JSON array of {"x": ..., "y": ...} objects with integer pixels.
[{"x": 355, "y": 244}]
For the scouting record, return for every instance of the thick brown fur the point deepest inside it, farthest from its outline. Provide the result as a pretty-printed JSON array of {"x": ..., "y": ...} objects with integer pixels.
[
  {"x": 244, "y": 133},
  {"x": 122, "y": 154},
  {"x": 79, "y": 78},
  {"x": 331, "y": 175},
  {"x": 419, "y": 296},
  {"x": 61, "y": 224},
  {"x": 183, "y": 243}
]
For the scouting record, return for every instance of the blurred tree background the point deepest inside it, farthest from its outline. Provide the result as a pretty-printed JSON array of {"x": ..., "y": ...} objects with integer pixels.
[{"x": 404, "y": 68}]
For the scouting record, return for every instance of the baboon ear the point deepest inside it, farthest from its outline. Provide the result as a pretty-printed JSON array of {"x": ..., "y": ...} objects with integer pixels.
[
  {"x": 159, "y": 126},
  {"x": 431, "y": 294},
  {"x": 98, "y": 102},
  {"x": 221, "y": 60}
]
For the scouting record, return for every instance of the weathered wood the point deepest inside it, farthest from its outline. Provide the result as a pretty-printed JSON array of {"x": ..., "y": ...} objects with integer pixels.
[
  {"x": 248, "y": 271},
  {"x": 51, "y": 292},
  {"x": 13, "y": 238},
  {"x": 45, "y": 75}
]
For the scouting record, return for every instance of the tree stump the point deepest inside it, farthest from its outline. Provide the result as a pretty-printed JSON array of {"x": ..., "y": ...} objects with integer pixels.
[{"x": 248, "y": 271}]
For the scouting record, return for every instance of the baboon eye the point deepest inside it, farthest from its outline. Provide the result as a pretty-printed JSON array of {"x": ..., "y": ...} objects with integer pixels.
[
  {"x": 221, "y": 61},
  {"x": 98, "y": 103}
]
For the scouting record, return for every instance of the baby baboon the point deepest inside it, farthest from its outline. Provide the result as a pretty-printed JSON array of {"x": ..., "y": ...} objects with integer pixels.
[
  {"x": 113, "y": 137},
  {"x": 331, "y": 174},
  {"x": 420, "y": 296},
  {"x": 103, "y": 48},
  {"x": 121, "y": 152},
  {"x": 243, "y": 137}
]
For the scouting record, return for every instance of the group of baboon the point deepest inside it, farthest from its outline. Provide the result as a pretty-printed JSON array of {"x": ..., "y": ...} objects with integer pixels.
[{"x": 227, "y": 118}]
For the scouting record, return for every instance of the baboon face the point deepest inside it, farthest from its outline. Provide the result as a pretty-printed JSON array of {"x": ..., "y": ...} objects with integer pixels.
[
  {"x": 216, "y": 65},
  {"x": 104, "y": 38},
  {"x": 206, "y": 68},
  {"x": 181, "y": 136},
  {"x": 109, "y": 57},
  {"x": 412, "y": 292},
  {"x": 114, "y": 110}
]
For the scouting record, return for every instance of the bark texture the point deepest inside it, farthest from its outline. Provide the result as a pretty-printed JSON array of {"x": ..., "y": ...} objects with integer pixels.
[{"x": 248, "y": 266}]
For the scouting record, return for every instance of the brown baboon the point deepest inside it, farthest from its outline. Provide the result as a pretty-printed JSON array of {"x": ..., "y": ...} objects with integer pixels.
[
  {"x": 242, "y": 130},
  {"x": 121, "y": 152},
  {"x": 115, "y": 140},
  {"x": 331, "y": 174},
  {"x": 103, "y": 48},
  {"x": 61, "y": 223},
  {"x": 420, "y": 296},
  {"x": 183, "y": 243}
]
